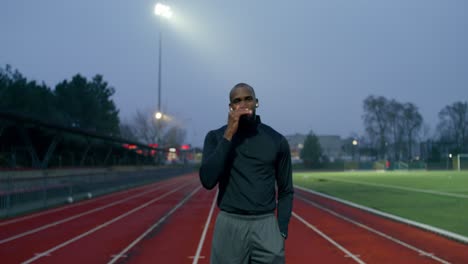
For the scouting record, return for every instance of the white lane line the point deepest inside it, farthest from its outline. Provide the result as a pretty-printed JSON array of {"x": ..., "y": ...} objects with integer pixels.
[
  {"x": 115, "y": 219},
  {"x": 370, "y": 229},
  {"x": 161, "y": 220},
  {"x": 205, "y": 230},
  {"x": 422, "y": 226},
  {"x": 388, "y": 186},
  {"x": 316, "y": 230},
  {"x": 356, "y": 255},
  {"x": 20, "y": 219},
  {"x": 111, "y": 195},
  {"x": 32, "y": 231}
]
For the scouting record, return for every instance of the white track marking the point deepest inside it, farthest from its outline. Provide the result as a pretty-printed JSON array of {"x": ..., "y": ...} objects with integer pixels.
[
  {"x": 162, "y": 219},
  {"x": 422, "y": 226},
  {"x": 205, "y": 230},
  {"x": 370, "y": 229},
  {"x": 35, "y": 230},
  {"x": 118, "y": 256},
  {"x": 405, "y": 188},
  {"x": 59, "y": 246},
  {"x": 22, "y": 218},
  {"x": 316, "y": 230},
  {"x": 34, "y": 215}
]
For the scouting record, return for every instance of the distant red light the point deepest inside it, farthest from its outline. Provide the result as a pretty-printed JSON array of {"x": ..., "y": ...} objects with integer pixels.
[
  {"x": 185, "y": 147},
  {"x": 129, "y": 146}
]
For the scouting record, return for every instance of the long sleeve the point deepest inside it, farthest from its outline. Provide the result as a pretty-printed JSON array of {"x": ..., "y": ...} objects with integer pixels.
[
  {"x": 215, "y": 153},
  {"x": 285, "y": 186}
]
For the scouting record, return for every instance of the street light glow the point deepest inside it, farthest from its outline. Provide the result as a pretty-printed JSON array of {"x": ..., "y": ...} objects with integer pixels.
[
  {"x": 163, "y": 10},
  {"x": 158, "y": 115},
  {"x": 355, "y": 142}
]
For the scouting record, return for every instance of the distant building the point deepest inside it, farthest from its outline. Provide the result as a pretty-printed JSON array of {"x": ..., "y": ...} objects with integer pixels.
[
  {"x": 332, "y": 146},
  {"x": 296, "y": 143}
]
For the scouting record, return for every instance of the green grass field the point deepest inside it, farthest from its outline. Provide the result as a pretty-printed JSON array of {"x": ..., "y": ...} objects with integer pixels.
[{"x": 436, "y": 198}]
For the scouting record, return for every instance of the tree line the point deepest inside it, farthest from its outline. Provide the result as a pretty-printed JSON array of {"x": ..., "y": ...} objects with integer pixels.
[
  {"x": 83, "y": 103},
  {"x": 79, "y": 102},
  {"x": 395, "y": 131},
  {"x": 394, "y": 128}
]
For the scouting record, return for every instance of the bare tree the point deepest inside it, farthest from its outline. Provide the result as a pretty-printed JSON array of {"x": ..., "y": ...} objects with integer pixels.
[
  {"x": 127, "y": 131},
  {"x": 412, "y": 123},
  {"x": 145, "y": 126},
  {"x": 376, "y": 121},
  {"x": 175, "y": 136},
  {"x": 453, "y": 124},
  {"x": 394, "y": 115},
  {"x": 166, "y": 131},
  {"x": 392, "y": 125}
]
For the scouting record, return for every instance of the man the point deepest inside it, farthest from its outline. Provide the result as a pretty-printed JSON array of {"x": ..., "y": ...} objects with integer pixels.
[{"x": 246, "y": 158}]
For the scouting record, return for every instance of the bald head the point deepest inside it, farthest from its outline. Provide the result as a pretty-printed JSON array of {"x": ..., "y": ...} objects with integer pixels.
[{"x": 241, "y": 85}]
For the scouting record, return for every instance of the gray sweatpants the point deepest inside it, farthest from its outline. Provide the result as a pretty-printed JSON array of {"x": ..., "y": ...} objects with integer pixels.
[{"x": 247, "y": 239}]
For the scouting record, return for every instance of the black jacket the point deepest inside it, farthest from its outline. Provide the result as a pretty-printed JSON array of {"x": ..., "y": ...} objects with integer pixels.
[{"x": 247, "y": 168}]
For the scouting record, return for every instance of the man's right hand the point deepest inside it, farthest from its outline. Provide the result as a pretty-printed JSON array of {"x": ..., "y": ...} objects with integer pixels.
[{"x": 233, "y": 121}]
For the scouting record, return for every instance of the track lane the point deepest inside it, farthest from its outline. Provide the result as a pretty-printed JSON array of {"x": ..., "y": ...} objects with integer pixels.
[
  {"x": 99, "y": 244},
  {"x": 177, "y": 239},
  {"x": 210, "y": 219},
  {"x": 172, "y": 242},
  {"x": 22, "y": 227},
  {"x": 441, "y": 247},
  {"x": 27, "y": 247},
  {"x": 205, "y": 247},
  {"x": 368, "y": 246},
  {"x": 52, "y": 213},
  {"x": 306, "y": 246}
]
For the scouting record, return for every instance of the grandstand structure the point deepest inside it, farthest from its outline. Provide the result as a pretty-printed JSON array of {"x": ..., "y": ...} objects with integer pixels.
[
  {"x": 26, "y": 142},
  {"x": 44, "y": 165}
]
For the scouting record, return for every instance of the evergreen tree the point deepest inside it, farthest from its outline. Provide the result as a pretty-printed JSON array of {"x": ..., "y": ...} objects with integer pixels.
[{"x": 311, "y": 153}]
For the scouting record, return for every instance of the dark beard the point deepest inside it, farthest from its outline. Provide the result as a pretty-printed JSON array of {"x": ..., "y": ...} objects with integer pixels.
[{"x": 246, "y": 121}]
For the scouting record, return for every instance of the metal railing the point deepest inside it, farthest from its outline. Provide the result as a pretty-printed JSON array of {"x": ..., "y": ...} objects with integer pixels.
[{"x": 19, "y": 195}]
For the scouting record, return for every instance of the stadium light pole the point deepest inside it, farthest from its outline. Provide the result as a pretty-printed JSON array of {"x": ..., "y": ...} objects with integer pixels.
[
  {"x": 163, "y": 12},
  {"x": 449, "y": 158},
  {"x": 355, "y": 146}
]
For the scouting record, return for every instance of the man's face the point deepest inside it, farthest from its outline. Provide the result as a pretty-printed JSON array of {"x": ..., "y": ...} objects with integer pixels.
[{"x": 243, "y": 98}]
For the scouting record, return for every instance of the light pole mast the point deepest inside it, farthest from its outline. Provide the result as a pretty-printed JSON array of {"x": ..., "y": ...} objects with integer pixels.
[
  {"x": 162, "y": 11},
  {"x": 159, "y": 71},
  {"x": 165, "y": 12}
]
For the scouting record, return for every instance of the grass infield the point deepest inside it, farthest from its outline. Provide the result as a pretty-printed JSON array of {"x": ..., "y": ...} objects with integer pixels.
[{"x": 436, "y": 198}]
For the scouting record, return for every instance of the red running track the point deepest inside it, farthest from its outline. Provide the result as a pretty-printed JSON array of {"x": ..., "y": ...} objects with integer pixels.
[{"x": 172, "y": 222}]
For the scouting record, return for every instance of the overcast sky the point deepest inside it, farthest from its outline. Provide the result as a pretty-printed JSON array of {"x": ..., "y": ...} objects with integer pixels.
[{"x": 312, "y": 63}]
